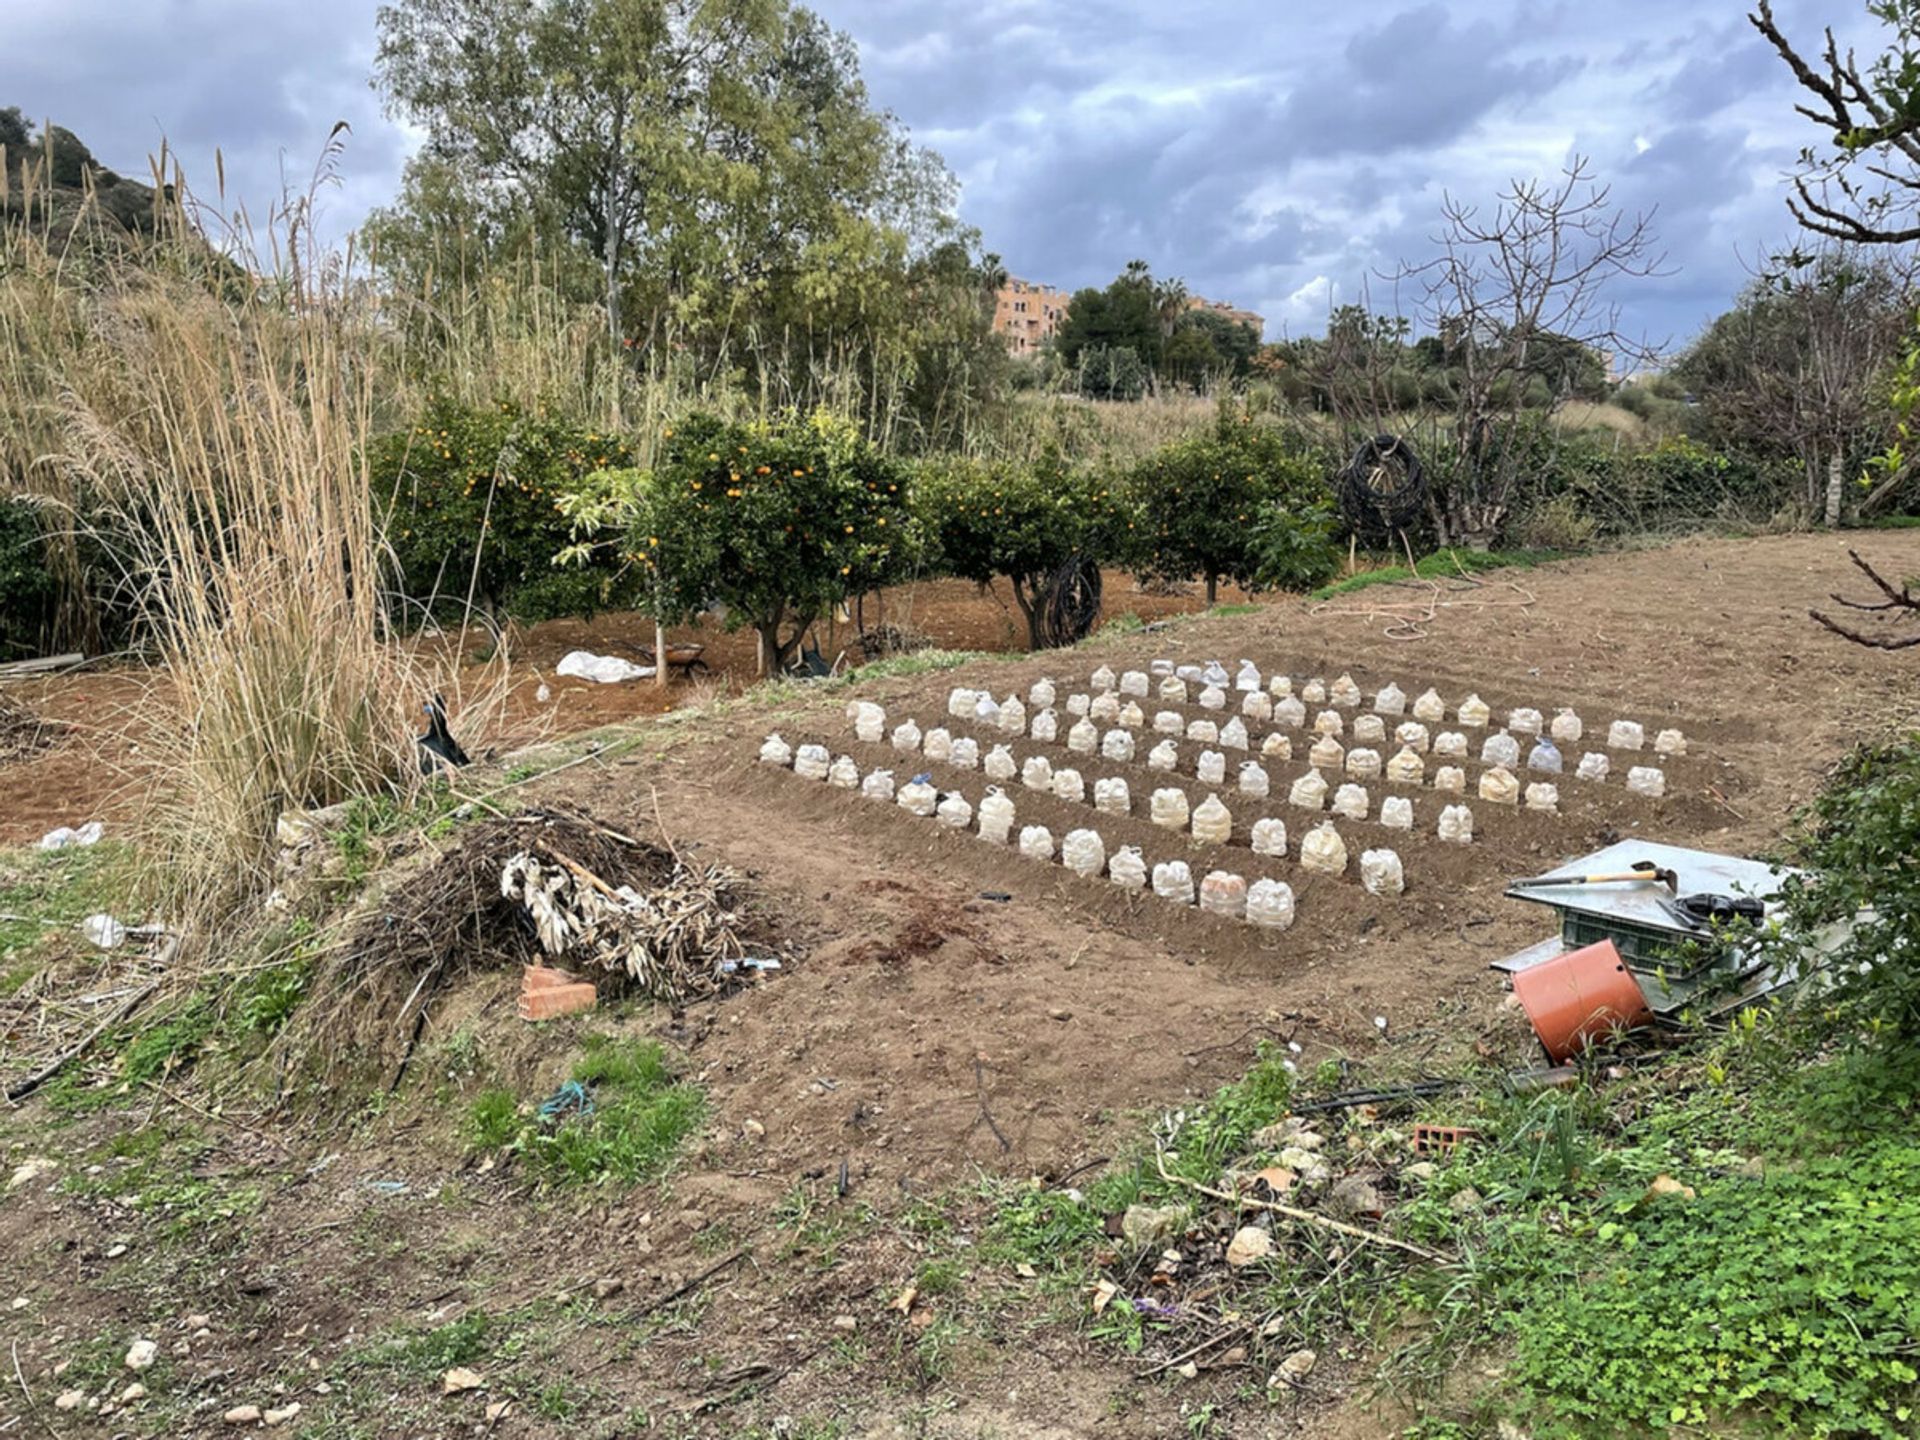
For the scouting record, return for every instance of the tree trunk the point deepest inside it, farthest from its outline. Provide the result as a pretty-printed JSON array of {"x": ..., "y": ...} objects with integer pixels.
[
  {"x": 1836, "y": 488},
  {"x": 1029, "y": 610},
  {"x": 1213, "y": 590}
]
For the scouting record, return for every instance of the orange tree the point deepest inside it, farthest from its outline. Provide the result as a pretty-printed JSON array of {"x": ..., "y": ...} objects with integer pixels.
[
  {"x": 1023, "y": 521},
  {"x": 1240, "y": 504},
  {"x": 770, "y": 523}
]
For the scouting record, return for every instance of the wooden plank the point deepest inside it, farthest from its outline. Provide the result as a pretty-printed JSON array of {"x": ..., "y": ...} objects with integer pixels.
[{"x": 17, "y": 669}]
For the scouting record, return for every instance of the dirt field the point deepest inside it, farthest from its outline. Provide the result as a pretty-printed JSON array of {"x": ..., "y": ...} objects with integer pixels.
[{"x": 927, "y": 1033}]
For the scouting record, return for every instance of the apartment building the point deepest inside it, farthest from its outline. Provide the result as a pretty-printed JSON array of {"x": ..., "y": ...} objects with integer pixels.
[
  {"x": 1229, "y": 312},
  {"x": 1028, "y": 314}
]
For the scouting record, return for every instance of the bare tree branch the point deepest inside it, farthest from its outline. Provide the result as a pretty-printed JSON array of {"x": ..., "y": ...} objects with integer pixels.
[{"x": 1902, "y": 599}]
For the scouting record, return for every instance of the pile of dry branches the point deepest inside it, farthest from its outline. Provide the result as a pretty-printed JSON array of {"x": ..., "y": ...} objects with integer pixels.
[{"x": 23, "y": 733}]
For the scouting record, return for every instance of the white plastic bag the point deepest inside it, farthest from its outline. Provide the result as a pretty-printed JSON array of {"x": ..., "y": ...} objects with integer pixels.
[
  {"x": 1362, "y": 763},
  {"x": 1545, "y": 758},
  {"x": 1456, "y": 825},
  {"x": 1524, "y": 722},
  {"x": 1670, "y": 743},
  {"x": 1344, "y": 693},
  {"x": 1013, "y": 716},
  {"x": 1450, "y": 743},
  {"x": 1169, "y": 722},
  {"x": 1277, "y": 746},
  {"x": 1134, "y": 682},
  {"x": 1164, "y": 756},
  {"x": 1542, "y": 796},
  {"x": 1647, "y": 780},
  {"x": 1233, "y": 734},
  {"x": 1132, "y": 716},
  {"x": 1103, "y": 678},
  {"x": 1314, "y": 692},
  {"x": 1430, "y": 709},
  {"x": 1396, "y": 812},
  {"x": 1258, "y": 705},
  {"x": 1037, "y": 773},
  {"x": 811, "y": 762},
  {"x": 1112, "y": 796},
  {"x": 996, "y": 816},
  {"x": 1269, "y": 837},
  {"x": 1117, "y": 745},
  {"x": 1224, "y": 893},
  {"x": 1173, "y": 690},
  {"x": 1414, "y": 736},
  {"x": 1172, "y": 880},
  {"x": 1327, "y": 754},
  {"x": 985, "y": 711},
  {"x": 1369, "y": 730},
  {"x": 1213, "y": 698},
  {"x": 1500, "y": 786},
  {"x": 1329, "y": 722},
  {"x": 1084, "y": 853},
  {"x": 1247, "y": 678},
  {"x": 1322, "y": 850},
  {"x": 1212, "y": 822},
  {"x": 954, "y": 811},
  {"x": 1280, "y": 686},
  {"x": 1040, "y": 694},
  {"x": 1126, "y": 869},
  {"x": 1168, "y": 809},
  {"x": 966, "y": 753},
  {"x": 1215, "y": 674},
  {"x": 1270, "y": 904},
  {"x": 1068, "y": 786},
  {"x": 773, "y": 750},
  {"x": 1254, "y": 780},
  {"x": 1381, "y": 873},
  {"x": 843, "y": 774},
  {"x": 1084, "y": 737},
  {"x": 1211, "y": 767},
  {"x": 1500, "y": 748},
  {"x": 917, "y": 797},
  {"x": 1205, "y": 731},
  {"x": 1036, "y": 843},
  {"x": 1474, "y": 713},
  {"x": 1391, "y": 700},
  {"x": 1566, "y": 728},
  {"x": 1309, "y": 792},
  {"x": 878, "y": 785},
  {"x": 1290, "y": 712},
  {"x": 961, "y": 703},
  {"x": 1451, "y": 779},
  {"x": 1594, "y": 766},
  {"x": 1406, "y": 767},
  {"x": 869, "y": 722},
  {"x": 1105, "y": 708},
  {"x": 1078, "y": 705},
  {"x": 906, "y": 737},
  {"x": 1351, "y": 802},
  {"x": 1000, "y": 764},
  {"x": 1626, "y": 735},
  {"x": 938, "y": 745},
  {"x": 1045, "y": 726}
]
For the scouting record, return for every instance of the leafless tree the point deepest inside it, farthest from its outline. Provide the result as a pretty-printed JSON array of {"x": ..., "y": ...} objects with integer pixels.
[
  {"x": 1859, "y": 186},
  {"x": 1902, "y": 603},
  {"x": 1512, "y": 292}
]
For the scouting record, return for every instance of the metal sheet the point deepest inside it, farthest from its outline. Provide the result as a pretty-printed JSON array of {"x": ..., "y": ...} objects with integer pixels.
[{"x": 1698, "y": 870}]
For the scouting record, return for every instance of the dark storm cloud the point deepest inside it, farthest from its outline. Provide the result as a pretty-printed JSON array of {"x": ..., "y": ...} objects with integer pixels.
[{"x": 1280, "y": 155}]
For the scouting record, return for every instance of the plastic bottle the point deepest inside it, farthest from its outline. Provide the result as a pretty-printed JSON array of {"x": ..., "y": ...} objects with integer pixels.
[
  {"x": 1269, "y": 837},
  {"x": 1345, "y": 693},
  {"x": 1362, "y": 763},
  {"x": 878, "y": 785},
  {"x": 1499, "y": 786},
  {"x": 1545, "y": 757},
  {"x": 1412, "y": 735},
  {"x": 1160, "y": 667},
  {"x": 1216, "y": 674},
  {"x": 1105, "y": 708},
  {"x": 1134, "y": 682},
  {"x": 1381, "y": 873},
  {"x": 1524, "y": 722},
  {"x": 1626, "y": 735},
  {"x": 1132, "y": 716},
  {"x": 1084, "y": 737},
  {"x": 1309, "y": 792},
  {"x": 1078, "y": 705},
  {"x": 1247, "y": 678},
  {"x": 1205, "y": 731},
  {"x": 775, "y": 751},
  {"x": 1396, "y": 812},
  {"x": 1000, "y": 764},
  {"x": 1164, "y": 756},
  {"x": 1670, "y": 743},
  {"x": 996, "y": 816},
  {"x": 1192, "y": 674},
  {"x": 1351, "y": 802},
  {"x": 906, "y": 737},
  {"x": 1040, "y": 694},
  {"x": 1280, "y": 686},
  {"x": 938, "y": 745},
  {"x": 1173, "y": 690},
  {"x": 1329, "y": 722},
  {"x": 869, "y": 722},
  {"x": 1500, "y": 748},
  {"x": 1258, "y": 705},
  {"x": 985, "y": 711},
  {"x": 1567, "y": 728},
  {"x": 1430, "y": 709},
  {"x": 961, "y": 702},
  {"x": 1254, "y": 780},
  {"x": 1450, "y": 743},
  {"x": 1594, "y": 766},
  {"x": 810, "y": 762},
  {"x": 1211, "y": 767},
  {"x": 1270, "y": 904},
  {"x": 1369, "y": 730},
  {"x": 1068, "y": 786},
  {"x": 1641, "y": 780},
  {"x": 1126, "y": 869},
  {"x": 1036, "y": 843},
  {"x": 1474, "y": 713},
  {"x": 1322, "y": 850},
  {"x": 1084, "y": 853},
  {"x": 1456, "y": 825},
  {"x": 843, "y": 774},
  {"x": 1103, "y": 678},
  {"x": 1212, "y": 822},
  {"x": 1233, "y": 734},
  {"x": 1213, "y": 698},
  {"x": 1390, "y": 700},
  {"x": 1013, "y": 716},
  {"x": 1117, "y": 745},
  {"x": 954, "y": 811},
  {"x": 1314, "y": 692},
  {"x": 1172, "y": 880},
  {"x": 1290, "y": 712},
  {"x": 1169, "y": 722},
  {"x": 1046, "y": 726},
  {"x": 1327, "y": 754},
  {"x": 1542, "y": 796},
  {"x": 1451, "y": 779},
  {"x": 1112, "y": 796},
  {"x": 1277, "y": 746},
  {"x": 1406, "y": 767},
  {"x": 1037, "y": 773},
  {"x": 1224, "y": 893},
  {"x": 917, "y": 797},
  {"x": 1168, "y": 809}
]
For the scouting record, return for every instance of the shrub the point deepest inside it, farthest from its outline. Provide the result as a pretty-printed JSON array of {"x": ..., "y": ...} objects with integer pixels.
[
  {"x": 27, "y": 591},
  {"x": 473, "y": 502}
]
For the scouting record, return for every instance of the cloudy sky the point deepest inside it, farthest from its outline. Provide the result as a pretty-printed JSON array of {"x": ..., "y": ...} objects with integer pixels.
[{"x": 1275, "y": 153}]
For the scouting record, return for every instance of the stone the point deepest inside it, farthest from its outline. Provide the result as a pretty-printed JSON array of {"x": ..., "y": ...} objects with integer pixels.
[
  {"x": 461, "y": 1379},
  {"x": 1249, "y": 1244},
  {"x": 1421, "y": 1170},
  {"x": 30, "y": 1170},
  {"x": 608, "y": 1288},
  {"x": 845, "y": 1322},
  {"x": 1465, "y": 1200},
  {"x": 133, "y": 1392},
  {"x": 141, "y": 1354},
  {"x": 198, "y": 1322},
  {"x": 1146, "y": 1227},
  {"x": 1295, "y": 1368},
  {"x": 754, "y": 1130},
  {"x": 277, "y": 1418},
  {"x": 70, "y": 1400},
  {"x": 114, "y": 1252},
  {"x": 242, "y": 1415},
  {"x": 1354, "y": 1196}
]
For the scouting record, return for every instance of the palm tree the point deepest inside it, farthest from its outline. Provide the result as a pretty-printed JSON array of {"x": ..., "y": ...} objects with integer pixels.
[{"x": 1170, "y": 300}]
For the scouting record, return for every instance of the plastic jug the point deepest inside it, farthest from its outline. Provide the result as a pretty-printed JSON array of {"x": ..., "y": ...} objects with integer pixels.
[
  {"x": 1344, "y": 693},
  {"x": 1456, "y": 825},
  {"x": 1327, "y": 754},
  {"x": 775, "y": 751},
  {"x": 1381, "y": 872},
  {"x": 1084, "y": 737},
  {"x": 1254, "y": 780},
  {"x": 1068, "y": 786},
  {"x": 1474, "y": 713},
  {"x": 810, "y": 762},
  {"x": 869, "y": 722},
  {"x": 1233, "y": 734},
  {"x": 1205, "y": 731},
  {"x": 1269, "y": 837},
  {"x": 1169, "y": 722},
  {"x": 985, "y": 712},
  {"x": 1168, "y": 809},
  {"x": 1500, "y": 786},
  {"x": 1277, "y": 746},
  {"x": 1215, "y": 674},
  {"x": 1037, "y": 773},
  {"x": 1173, "y": 690},
  {"x": 1134, "y": 682},
  {"x": 1406, "y": 767},
  {"x": 1430, "y": 708},
  {"x": 1046, "y": 726},
  {"x": 1524, "y": 722},
  {"x": 1641, "y": 780},
  {"x": 1362, "y": 763},
  {"x": 1132, "y": 716},
  {"x": 1164, "y": 756},
  {"x": 1626, "y": 735},
  {"x": 1224, "y": 893},
  {"x": 1126, "y": 869},
  {"x": 1258, "y": 705},
  {"x": 953, "y": 811},
  {"x": 1413, "y": 735},
  {"x": 1213, "y": 698},
  {"x": 1450, "y": 778},
  {"x": 1670, "y": 743},
  {"x": 878, "y": 785},
  {"x": 1103, "y": 678},
  {"x": 1112, "y": 796},
  {"x": 1270, "y": 904},
  {"x": 1290, "y": 712},
  {"x": 1212, "y": 822},
  {"x": 1351, "y": 802},
  {"x": 1211, "y": 767},
  {"x": 1450, "y": 743},
  {"x": 917, "y": 797},
  {"x": 1104, "y": 707},
  {"x": 961, "y": 703},
  {"x": 1040, "y": 694},
  {"x": 1567, "y": 728},
  {"x": 938, "y": 745},
  {"x": 1500, "y": 748},
  {"x": 996, "y": 816},
  {"x": 1542, "y": 796},
  {"x": 1036, "y": 843},
  {"x": 843, "y": 774},
  {"x": 1369, "y": 730},
  {"x": 1545, "y": 757},
  {"x": 1314, "y": 692},
  {"x": 1391, "y": 700},
  {"x": 906, "y": 737},
  {"x": 1309, "y": 792},
  {"x": 1280, "y": 686},
  {"x": 1247, "y": 677},
  {"x": 1000, "y": 764},
  {"x": 1078, "y": 705},
  {"x": 1084, "y": 853},
  {"x": 1117, "y": 745},
  {"x": 1329, "y": 722},
  {"x": 1323, "y": 850},
  {"x": 1396, "y": 812},
  {"x": 1172, "y": 880},
  {"x": 1013, "y": 716},
  {"x": 1594, "y": 766}
]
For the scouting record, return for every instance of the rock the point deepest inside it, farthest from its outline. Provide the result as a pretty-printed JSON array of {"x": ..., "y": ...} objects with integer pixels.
[
  {"x": 1058, "y": 1014},
  {"x": 30, "y": 1170},
  {"x": 1465, "y": 1200},
  {"x": 141, "y": 1354},
  {"x": 496, "y": 1409},
  {"x": 1421, "y": 1170},
  {"x": 845, "y": 1322},
  {"x": 276, "y": 1418},
  {"x": 608, "y": 1288},
  {"x": 461, "y": 1379},
  {"x": 1146, "y": 1227},
  {"x": 1295, "y": 1368},
  {"x": 114, "y": 1252},
  {"x": 70, "y": 1400},
  {"x": 198, "y": 1322},
  {"x": 133, "y": 1392},
  {"x": 1666, "y": 1185},
  {"x": 1249, "y": 1244},
  {"x": 1354, "y": 1196},
  {"x": 20, "y": 1302},
  {"x": 1188, "y": 1371},
  {"x": 754, "y": 1130},
  {"x": 1307, "y": 1167},
  {"x": 692, "y": 1220},
  {"x": 242, "y": 1415}
]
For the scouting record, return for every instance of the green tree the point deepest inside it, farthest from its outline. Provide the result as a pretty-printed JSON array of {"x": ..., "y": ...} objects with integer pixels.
[
  {"x": 14, "y": 130},
  {"x": 1126, "y": 315}
]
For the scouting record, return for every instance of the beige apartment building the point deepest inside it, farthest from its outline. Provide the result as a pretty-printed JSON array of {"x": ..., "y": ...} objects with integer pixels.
[
  {"x": 1229, "y": 312},
  {"x": 1028, "y": 314}
]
